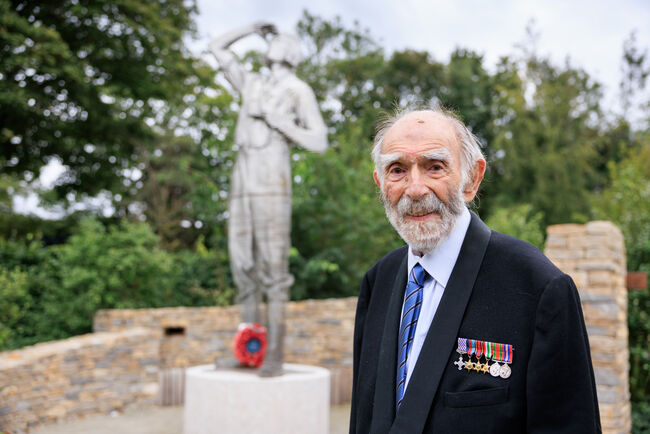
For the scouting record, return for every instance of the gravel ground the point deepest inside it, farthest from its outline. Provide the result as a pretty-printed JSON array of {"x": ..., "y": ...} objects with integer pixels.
[{"x": 158, "y": 420}]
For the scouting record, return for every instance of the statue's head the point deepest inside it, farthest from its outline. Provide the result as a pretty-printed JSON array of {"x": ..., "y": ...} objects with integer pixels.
[{"x": 284, "y": 48}]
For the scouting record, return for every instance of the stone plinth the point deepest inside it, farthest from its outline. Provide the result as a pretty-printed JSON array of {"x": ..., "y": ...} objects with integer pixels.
[{"x": 239, "y": 401}]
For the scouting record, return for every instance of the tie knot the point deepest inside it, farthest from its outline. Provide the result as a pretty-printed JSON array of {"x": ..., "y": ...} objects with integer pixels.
[{"x": 418, "y": 274}]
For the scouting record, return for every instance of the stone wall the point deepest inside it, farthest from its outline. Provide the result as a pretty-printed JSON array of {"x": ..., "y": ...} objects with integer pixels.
[
  {"x": 594, "y": 256},
  {"x": 95, "y": 373},
  {"x": 319, "y": 332}
]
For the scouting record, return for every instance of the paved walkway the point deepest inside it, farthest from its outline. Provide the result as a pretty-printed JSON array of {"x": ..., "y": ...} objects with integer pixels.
[{"x": 158, "y": 420}]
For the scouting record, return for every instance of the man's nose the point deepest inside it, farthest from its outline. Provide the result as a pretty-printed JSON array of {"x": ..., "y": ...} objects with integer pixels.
[{"x": 416, "y": 187}]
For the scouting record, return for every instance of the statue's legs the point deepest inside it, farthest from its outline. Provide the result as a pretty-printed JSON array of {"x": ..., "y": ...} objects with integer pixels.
[
  {"x": 272, "y": 225},
  {"x": 240, "y": 248}
]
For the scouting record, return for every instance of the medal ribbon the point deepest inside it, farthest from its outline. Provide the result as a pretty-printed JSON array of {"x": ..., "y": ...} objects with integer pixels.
[
  {"x": 508, "y": 356},
  {"x": 488, "y": 350},
  {"x": 462, "y": 345},
  {"x": 480, "y": 349},
  {"x": 503, "y": 353}
]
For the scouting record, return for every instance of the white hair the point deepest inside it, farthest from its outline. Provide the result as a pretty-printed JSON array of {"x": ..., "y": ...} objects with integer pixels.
[{"x": 470, "y": 149}]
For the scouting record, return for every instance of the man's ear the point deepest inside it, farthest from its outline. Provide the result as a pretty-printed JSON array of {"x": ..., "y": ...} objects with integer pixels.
[
  {"x": 376, "y": 178},
  {"x": 472, "y": 185}
]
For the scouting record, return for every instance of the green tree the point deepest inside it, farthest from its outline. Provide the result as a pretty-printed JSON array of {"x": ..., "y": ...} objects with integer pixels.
[
  {"x": 80, "y": 80},
  {"x": 544, "y": 128}
]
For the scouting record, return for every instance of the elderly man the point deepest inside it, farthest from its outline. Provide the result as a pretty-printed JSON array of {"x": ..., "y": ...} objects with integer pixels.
[
  {"x": 463, "y": 330},
  {"x": 277, "y": 110}
]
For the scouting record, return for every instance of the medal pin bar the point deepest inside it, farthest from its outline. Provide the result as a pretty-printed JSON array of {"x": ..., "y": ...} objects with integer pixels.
[{"x": 490, "y": 351}]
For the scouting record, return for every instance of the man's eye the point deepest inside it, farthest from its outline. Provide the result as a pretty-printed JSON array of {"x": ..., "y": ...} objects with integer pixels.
[
  {"x": 437, "y": 167},
  {"x": 396, "y": 170}
]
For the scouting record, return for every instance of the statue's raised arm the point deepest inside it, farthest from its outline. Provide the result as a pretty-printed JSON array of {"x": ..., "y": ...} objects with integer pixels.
[{"x": 227, "y": 60}]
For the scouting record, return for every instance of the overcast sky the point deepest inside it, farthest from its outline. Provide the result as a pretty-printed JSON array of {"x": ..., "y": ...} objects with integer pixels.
[{"x": 590, "y": 32}]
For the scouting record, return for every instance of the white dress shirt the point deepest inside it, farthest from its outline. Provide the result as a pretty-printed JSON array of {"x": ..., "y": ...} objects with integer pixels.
[{"x": 438, "y": 264}]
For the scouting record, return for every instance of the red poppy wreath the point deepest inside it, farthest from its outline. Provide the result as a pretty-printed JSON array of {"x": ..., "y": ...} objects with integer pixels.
[{"x": 249, "y": 344}]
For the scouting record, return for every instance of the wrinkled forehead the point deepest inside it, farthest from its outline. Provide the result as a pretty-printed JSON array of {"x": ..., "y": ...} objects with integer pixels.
[{"x": 418, "y": 130}]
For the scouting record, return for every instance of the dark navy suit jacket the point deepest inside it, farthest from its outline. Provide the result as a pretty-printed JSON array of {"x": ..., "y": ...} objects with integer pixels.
[{"x": 501, "y": 290}]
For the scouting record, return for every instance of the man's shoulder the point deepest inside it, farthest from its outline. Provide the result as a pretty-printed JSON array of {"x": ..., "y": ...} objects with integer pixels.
[{"x": 506, "y": 254}]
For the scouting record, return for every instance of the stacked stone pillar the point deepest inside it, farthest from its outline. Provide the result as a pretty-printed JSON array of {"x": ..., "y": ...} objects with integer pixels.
[{"x": 594, "y": 256}]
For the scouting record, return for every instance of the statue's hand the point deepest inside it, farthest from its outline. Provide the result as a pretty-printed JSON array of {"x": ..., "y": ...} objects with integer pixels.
[
  {"x": 264, "y": 28},
  {"x": 275, "y": 121}
]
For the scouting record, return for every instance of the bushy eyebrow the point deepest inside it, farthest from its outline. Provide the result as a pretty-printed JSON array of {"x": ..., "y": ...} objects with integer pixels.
[
  {"x": 387, "y": 159},
  {"x": 439, "y": 155}
]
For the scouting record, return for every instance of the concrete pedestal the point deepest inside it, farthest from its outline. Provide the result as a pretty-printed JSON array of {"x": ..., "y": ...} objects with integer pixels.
[{"x": 238, "y": 401}]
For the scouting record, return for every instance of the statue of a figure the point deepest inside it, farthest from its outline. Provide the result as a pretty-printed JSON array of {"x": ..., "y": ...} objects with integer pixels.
[{"x": 277, "y": 109}]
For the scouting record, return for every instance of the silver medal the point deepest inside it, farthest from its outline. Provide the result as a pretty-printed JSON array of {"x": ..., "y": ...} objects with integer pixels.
[
  {"x": 504, "y": 371},
  {"x": 495, "y": 369}
]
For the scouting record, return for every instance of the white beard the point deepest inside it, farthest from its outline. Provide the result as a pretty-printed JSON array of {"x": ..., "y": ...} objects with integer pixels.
[{"x": 424, "y": 237}]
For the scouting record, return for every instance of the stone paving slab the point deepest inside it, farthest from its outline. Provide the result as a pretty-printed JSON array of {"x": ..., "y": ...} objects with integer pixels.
[{"x": 158, "y": 420}]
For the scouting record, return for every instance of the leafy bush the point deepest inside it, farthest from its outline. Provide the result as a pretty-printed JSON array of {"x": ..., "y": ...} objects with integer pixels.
[
  {"x": 640, "y": 418},
  {"x": 315, "y": 273},
  {"x": 200, "y": 278},
  {"x": 15, "y": 298},
  {"x": 115, "y": 267},
  {"x": 53, "y": 292},
  {"x": 520, "y": 222}
]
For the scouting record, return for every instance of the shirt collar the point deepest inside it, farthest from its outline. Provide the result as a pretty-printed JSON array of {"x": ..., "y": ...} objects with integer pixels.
[{"x": 440, "y": 262}]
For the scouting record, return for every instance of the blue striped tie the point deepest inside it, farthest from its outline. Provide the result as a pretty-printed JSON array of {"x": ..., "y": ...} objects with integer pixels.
[{"x": 410, "y": 314}]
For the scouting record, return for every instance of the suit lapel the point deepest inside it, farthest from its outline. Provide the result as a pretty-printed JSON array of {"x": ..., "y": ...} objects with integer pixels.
[
  {"x": 384, "y": 401},
  {"x": 440, "y": 340}
]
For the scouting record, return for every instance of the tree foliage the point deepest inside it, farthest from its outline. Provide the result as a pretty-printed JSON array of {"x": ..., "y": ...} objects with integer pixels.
[
  {"x": 53, "y": 292},
  {"x": 79, "y": 79}
]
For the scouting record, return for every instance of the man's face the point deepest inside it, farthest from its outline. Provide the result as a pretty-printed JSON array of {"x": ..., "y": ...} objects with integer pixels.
[{"x": 422, "y": 179}]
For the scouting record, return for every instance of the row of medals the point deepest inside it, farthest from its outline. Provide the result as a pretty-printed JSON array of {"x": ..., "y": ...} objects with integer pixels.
[{"x": 495, "y": 369}]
